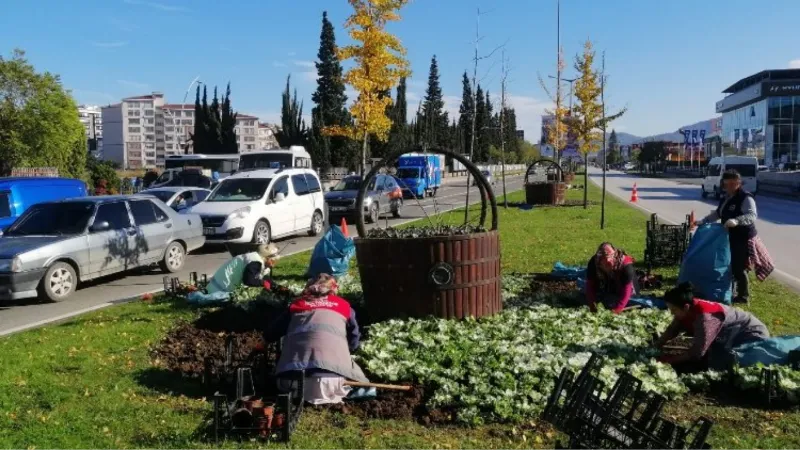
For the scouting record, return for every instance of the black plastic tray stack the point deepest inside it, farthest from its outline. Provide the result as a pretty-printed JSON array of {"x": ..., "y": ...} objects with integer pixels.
[
  {"x": 665, "y": 244},
  {"x": 626, "y": 417},
  {"x": 774, "y": 396}
]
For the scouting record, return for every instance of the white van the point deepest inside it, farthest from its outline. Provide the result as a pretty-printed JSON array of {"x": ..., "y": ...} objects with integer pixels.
[
  {"x": 261, "y": 205},
  {"x": 747, "y": 166}
]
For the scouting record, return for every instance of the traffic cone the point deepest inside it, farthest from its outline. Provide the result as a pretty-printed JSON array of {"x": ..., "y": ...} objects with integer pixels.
[
  {"x": 343, "y": 226},
  {"x": 634, "y": 194},
  {"x": 691, "y": 220}
]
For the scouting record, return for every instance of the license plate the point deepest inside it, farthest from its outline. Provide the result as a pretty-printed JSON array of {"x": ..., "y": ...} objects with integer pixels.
[
  {"x": 209, "y": 231},
  {"x": 338, "y": 208}
]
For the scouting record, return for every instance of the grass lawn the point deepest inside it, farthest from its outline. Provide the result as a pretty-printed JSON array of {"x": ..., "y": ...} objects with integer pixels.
[{"x": 89, "y": 383}]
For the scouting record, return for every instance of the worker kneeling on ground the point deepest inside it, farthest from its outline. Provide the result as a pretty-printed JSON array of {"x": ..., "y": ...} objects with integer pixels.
[
  {"x": 610, "y": 279},
  {"x": 715, "y": 330},
  {"x": 320, "y": 333},
  {"x": 252, "y": 269}
]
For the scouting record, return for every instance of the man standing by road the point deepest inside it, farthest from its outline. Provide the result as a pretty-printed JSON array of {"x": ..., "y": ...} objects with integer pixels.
[{"x": 737, "y": 212}]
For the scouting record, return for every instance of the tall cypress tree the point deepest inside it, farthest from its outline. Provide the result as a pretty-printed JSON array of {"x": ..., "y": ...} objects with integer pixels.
[
  {"x": 214, "y": 127},
  {"x": 293, "y": 127},
  {"x": 481, "y": 141},
  {"x": 399, "y": 137},
  {"x": 198, "y": 135},
  {"x": 466, "y": 110},
  {"x": 492, "y": 135},
  {"x": 435, "y": 120},
  {"x": 330, "y": 104},
  {"x": 228, "y": 125}
]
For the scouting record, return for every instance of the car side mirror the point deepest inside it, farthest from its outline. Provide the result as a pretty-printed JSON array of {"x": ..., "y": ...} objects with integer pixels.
[
  {"x": 100, "y": 226},
  {"x": 279, "y": 197}
]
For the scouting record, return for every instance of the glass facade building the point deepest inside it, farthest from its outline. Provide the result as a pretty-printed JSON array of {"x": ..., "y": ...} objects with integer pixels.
[{"x": 761, "y": 117}]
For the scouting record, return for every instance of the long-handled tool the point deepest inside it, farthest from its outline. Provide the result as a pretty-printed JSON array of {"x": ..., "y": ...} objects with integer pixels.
[{"x": 392, "y": 387}]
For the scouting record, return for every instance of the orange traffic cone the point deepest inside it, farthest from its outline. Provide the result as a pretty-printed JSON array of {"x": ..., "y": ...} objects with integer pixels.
[
  {"x": 634, "y": 194},
  {"x": 691, "y": 221},
  {"x": 343, "y": 226}
]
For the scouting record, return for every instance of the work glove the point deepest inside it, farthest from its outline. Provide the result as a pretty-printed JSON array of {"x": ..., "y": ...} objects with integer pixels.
[
  {"x": 731, "y": 223},
  {"x": 267, "y": 285}
]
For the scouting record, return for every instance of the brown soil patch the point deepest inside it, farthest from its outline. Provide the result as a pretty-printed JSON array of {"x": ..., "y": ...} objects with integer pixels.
[{"x": 397, "y": 405}]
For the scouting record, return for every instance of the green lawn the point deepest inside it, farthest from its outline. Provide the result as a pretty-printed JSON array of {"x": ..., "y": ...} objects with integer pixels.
[{"x": 89, "y": 383}]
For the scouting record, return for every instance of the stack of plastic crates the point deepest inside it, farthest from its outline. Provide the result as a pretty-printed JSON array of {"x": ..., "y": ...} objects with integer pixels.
[
  {"x": 624, "y": 417},
  {"x": 665, "y": 244},
  {"x": 770, "y": 384}
]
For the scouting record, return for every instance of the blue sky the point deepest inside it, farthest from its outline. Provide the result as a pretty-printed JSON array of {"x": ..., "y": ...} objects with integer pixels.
[{"x": 667, "y": 61}]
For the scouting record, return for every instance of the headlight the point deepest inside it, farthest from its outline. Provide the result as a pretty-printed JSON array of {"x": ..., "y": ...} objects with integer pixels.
[
  {"x": 240, "y": 213},
  {"x": 10, "y": 265},
  {"x": 367, "y": 201}
]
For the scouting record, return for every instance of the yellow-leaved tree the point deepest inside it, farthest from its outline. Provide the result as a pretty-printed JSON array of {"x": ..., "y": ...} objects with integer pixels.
[
  {"x": 588, "y": 120},
  {"x": 556, "y": 130},
  {"x": 379, "y": 64}
]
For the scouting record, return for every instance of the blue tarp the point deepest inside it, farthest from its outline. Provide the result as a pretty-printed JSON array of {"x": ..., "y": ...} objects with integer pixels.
[
  {"x": 647, "y": 302},
  {"x": 707, "y": 264},
  {"x": 332, "y": 254},
  {"x": 768, "y": 352},
  {"x": 199, "y": 298},
  {"x": 560, "y": 270}
]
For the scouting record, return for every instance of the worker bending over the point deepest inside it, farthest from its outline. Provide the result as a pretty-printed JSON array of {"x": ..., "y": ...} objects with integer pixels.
[
  {"x": 610, "y": 279},
  {"x": 715, "y": 330},
  {"x": 252, "y": 269},
  {"x": 320, "y": 332}
]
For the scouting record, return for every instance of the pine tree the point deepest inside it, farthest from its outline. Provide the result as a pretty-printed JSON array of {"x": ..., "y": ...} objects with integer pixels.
[
  {"x": 330, "y": 104},
  {"x": 492, "y": 121},
  {"x": 613, "y": 156},
  {"x": 293, "y": 127},
  {"x": 466, "y": 110},
  {"x": 434, "y": 117},
  {"x": 198, "y": 135},
  {"x": 214, "y": 126},
  {"x": 228, "y": 125},
  {"x": 481, "y": 139},
  {"x": 399, "y": 136},
  {"x": 510, "y": 132}
]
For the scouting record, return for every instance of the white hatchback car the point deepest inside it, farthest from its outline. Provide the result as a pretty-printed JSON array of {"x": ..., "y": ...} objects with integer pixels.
[{"x": 261, "y": 205}]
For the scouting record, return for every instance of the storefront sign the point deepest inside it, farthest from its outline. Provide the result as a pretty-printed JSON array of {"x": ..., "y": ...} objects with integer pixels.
[
  {"x": 35, "y": 172},
  {"x": 781, "y": 88}
]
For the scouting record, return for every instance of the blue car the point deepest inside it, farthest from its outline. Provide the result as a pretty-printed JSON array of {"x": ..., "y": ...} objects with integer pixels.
[{"x": 17, "y": 194}]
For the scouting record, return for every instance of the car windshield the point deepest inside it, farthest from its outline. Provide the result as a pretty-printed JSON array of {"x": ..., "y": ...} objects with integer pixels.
[
  {"x": 348, "y": 184},
  {"x": 164, "y": 196},
  {"x": 408, "y": 172},
  {"x": 240, "y": 190},
  {"x": 745, "y": 170},
  {"x": 46, "y": 219}
]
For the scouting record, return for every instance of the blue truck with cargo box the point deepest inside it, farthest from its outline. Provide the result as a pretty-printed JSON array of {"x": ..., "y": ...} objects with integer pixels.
[
  {"x": 419, "y": 174},
  {"x": 17, "y": 194}
]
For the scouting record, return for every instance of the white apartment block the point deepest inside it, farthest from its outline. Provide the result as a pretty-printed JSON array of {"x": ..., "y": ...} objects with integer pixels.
[
  {"x": 91, "y": 118},
  {"x": 141, "y": 131},
  {"x": 266, "y": 137}
]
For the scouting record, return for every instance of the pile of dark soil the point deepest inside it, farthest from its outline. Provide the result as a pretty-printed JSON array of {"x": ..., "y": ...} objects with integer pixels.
[
  {"x": 397, "y": 405},
  {"x": 549, "y": 290}
]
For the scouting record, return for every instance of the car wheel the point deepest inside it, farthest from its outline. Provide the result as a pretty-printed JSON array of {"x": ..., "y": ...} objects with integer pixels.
[
  {"x": 717, "y": 194},
  {"x": 58, "y": 283},
  {"x": 374, "y": 214},
  {"x": 262, "y": 234},
  {"x": 174, "y": 258},
  {"x": 317, "y": 224}
]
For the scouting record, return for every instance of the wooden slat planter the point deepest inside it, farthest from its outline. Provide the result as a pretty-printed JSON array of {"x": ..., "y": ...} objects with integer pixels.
[
  {"x": 399, "y": 276},
  {"x": 545, "y": 193}
]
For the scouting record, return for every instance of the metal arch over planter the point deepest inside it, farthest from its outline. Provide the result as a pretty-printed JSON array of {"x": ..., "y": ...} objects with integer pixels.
[
  {"x": 486, "y": 192},
  {"x": 547, "y": 192},
  {"x": 452, "y": 277}
]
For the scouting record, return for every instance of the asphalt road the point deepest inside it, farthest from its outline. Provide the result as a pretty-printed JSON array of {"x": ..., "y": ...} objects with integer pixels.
[
  {"x": 778, "y": 220},
  {"x": 24, "y": 314}
]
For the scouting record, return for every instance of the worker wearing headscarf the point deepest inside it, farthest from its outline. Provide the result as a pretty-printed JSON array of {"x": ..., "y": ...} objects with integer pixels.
[
  {"x": 715, "y": 329},
  {"x": 252, "y": 269},
  {"x": 610, "y": 279},
  {"x": 320, "y": 332}
]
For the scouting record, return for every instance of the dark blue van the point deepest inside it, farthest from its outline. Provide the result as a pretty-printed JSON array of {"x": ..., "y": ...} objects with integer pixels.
[{"x": 17, "y": 194}]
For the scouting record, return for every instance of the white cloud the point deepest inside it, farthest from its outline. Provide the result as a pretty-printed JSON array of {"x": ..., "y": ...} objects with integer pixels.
[
  {"x": 278, "y": 64},
  {"x": 794, "y": 64},
  {"x": 292, "y": 53},
  {"x": 529, "y": 111},
  {"x": 307, "y": 64},
  {"x": 122, "y": 25},
  {"x": 309, "y": 75},
  {"x": 134, "y": 85},
  {"x": 112, "y": 44},
  {"x": 452, "y": 104},
  {"x": 155, "y": 5},
  {"x": 415, "y": 83}
]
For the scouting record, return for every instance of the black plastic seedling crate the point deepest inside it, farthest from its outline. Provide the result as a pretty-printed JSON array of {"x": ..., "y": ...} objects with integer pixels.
[{"x": 665, "y": 244}]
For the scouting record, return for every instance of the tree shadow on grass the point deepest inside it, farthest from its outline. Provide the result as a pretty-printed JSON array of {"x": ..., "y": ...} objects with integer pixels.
[{"x": 171, "y": 383}]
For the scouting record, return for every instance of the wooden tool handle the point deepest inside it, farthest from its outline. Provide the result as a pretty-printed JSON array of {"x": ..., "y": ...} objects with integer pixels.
[{"x": 393, "y": 387}]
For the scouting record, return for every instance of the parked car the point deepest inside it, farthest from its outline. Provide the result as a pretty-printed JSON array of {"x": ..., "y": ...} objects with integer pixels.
[
  {"x": 341, "y": 199},
  {"x": 489, "y": 178},
  {"x": 178, "y": 198},
  {"x": 747, "y": 166},
  {"x": 56, "y": 245},
  {"x": 260, "y": 205},
  {"x": 17, "y": 194}
]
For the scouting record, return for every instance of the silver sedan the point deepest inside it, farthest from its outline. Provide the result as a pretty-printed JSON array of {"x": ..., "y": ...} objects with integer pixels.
[{"x": 54, "y": 246}]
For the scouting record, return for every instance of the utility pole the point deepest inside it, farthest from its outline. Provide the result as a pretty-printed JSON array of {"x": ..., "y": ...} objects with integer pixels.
[
  {"x": 503, "y": 128},
  {"x": 559, "y": 64},
  {"x": 474, "y": 109},
  {"x": 605, "y": 151}
]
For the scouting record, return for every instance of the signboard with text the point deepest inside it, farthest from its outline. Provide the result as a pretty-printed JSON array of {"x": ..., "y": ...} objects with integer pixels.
[
  {"x": 35, "y": 172},
  {"x": 780, "y": 88}
]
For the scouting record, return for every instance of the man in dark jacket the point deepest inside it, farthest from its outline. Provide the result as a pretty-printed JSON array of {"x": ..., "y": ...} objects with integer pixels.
[{"x": 737, "y": 212}]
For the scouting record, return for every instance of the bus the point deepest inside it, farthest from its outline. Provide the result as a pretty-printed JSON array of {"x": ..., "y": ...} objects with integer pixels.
[
  {"x": 294, "y": 156},
  {"x": 208, "y": 165}
]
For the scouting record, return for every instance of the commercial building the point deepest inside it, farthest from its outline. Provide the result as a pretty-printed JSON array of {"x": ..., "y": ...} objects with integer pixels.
[
  {"x": 141, "y": 131},
  {"x": 91, "y": 118},
  {"x": 761, "y": 116}
]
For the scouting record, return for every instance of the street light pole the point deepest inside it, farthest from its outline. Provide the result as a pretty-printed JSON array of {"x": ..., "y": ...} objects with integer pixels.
[{"x": 183, "y": 103}]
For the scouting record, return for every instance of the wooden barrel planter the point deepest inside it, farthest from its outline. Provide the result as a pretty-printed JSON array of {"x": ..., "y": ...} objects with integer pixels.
[
  {"x": 548, "y": 191},
  {"x": 450, "y": 277}
]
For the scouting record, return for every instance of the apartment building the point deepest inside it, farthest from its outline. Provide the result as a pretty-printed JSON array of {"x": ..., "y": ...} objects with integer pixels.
[
  {"x": 133, "y": 134},
  {"x": 178, "y": 128},
  {"x": 91, "y": 118},
  {"x": 246, "y": 133},
  {"x": 266, "y": 137}
]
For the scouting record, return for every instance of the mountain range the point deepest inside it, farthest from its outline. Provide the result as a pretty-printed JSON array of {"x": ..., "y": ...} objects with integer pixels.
[{"x": 630, "y": 139}]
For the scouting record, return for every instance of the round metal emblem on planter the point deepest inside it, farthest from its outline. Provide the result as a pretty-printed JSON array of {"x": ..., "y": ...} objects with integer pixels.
[{"x": 441, "y": 274}]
